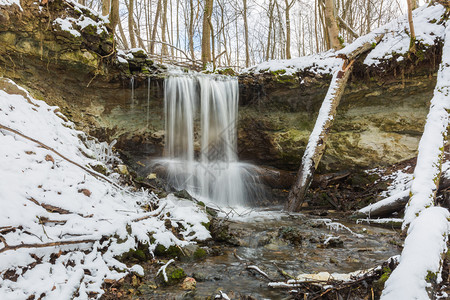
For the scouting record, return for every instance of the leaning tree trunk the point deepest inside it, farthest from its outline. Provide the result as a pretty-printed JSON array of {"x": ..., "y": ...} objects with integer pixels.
[
  {"x": 317, "y": 140},
  {"x": 426, "y": 243},
  {"x": 155, "y": 27}
]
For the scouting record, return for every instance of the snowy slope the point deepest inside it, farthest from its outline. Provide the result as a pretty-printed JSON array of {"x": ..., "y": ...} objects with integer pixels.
[{"x": 102, "y": 220}]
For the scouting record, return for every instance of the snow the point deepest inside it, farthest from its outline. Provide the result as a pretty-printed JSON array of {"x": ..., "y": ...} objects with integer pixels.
[
  {"x": 387, "y": 201},
  {"x": 395, "y": 41},
  {"x": 431, "y": 144},
  {"x": 323, "y": 118},
  {"x": 422, "y": 253},
  {"x": 107, "y": 221},
  {"x": 163, "y": 270},
  {"x": 429, "y": 226},
  {"x": 76, "y": 26},
  {"x": 11, "y": 2}
]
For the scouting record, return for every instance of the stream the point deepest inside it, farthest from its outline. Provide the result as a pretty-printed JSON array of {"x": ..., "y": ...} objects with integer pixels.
[{"x": 274, "y": 241}]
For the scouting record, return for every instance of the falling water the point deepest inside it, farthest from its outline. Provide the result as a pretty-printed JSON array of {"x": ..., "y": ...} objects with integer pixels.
[
  {"x": 132, "y": 91},
  {"x": 201, "y": 140},
  {"x": 148, "y": 100}
]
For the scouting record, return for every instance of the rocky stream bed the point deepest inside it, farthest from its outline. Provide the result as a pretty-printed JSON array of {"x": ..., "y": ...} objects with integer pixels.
[{"x": 279, "y": 244}]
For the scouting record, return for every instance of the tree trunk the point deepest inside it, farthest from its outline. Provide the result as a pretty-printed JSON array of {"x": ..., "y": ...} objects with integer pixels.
[
  {"x": 247, "y": 55},
  {"x": 131, "y": 24},
  {"x": 106, "y": 7},
  {"x": 114, "y": 15},
  {"x": 191, "y": 29},
  {"x": 164, "y": 50},
  {"x": 155, "y": 27},
  {"x": 270, "y": 29},
  {"x": 288, "y": 27},
  {"x": 122, "y": 33},
  {"x": 206, "y": 33},
  {"x": 412, "y": 44},
  {"x": 331, "y": 23},
  {"x": 317, "y": 140}
]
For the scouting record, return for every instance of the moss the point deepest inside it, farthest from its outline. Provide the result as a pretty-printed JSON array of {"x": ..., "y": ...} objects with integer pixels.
[
  {"x": 174, "y": 275},
  {"x": 431, "y": 277},
  {"x": 206, "y": 225},
  {"x": 177, "y": 274},
  {"x": 378, "y": 285},
  {"x": 172, "y": 251},
  {"x": 100, "y": 169},
  {"x": 140, "y": 254},
  {"x": 200, "y": 253}
]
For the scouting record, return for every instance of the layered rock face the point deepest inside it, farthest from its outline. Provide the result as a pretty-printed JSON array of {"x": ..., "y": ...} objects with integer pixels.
[{"x": 379, "y": 121}]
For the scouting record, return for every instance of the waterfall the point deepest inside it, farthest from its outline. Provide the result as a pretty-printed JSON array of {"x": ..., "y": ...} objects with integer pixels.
[
  {"x": 148, "y": 100},
  {"x": 201, "y": 140},
  {"x": 132, "y": 91}
]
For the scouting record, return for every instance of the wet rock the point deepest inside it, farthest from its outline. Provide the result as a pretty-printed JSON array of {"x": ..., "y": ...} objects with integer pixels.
[
  {"x": 220, "y": 232},
  {"x": 331, "y": 242},
  {"x": 291, "y": 234},
  {"x": 199, "y": 276},
  {"x": 193, "y": 252}
]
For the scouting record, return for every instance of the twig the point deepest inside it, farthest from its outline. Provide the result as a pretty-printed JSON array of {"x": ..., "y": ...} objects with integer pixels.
[
  {"x": 255, "y": 268},
  {"x": 53, "y": 244},
  {"x": 154, "y": 214}
]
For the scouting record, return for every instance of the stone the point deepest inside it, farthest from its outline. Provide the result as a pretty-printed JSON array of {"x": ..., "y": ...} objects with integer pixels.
[
  {"x": 122, "y": 169},
  {"x": 189, "y": 283},
  {"x": 151, "y": 176}
]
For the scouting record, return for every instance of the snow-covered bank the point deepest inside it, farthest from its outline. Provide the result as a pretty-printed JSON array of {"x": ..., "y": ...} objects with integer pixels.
[
  {"x": 426, "y": 243},
  {"x": 61, "y": 228},
  {"x": 394, "y": 44}
]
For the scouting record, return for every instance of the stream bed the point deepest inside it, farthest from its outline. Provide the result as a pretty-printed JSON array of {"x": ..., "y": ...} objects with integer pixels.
[{"x": 275, "y": 241}]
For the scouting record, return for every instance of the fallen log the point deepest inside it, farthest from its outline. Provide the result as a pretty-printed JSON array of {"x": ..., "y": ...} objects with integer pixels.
[{"x": 394, "y": 203}]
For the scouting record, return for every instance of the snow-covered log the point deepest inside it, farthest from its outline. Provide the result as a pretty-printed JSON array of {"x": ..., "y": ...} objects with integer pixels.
[
  {"x": 426, "y": 242},
  {"x": 386, "y": 206},
  {"x": 317, "y": 140}
]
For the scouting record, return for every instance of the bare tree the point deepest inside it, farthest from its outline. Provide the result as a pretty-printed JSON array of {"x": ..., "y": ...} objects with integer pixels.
[
  {"x": 288, "y": 6},
  {"x": 247, "y": 55},
  {"x": 106, "y": 7},
  {"x": 206, "y": 32},
  {"x": 412, "y": 44},
  {"x": 114, "y": 15},
  {"x": 131, "y": 23},
  {"x": 331, "y": 23}
]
